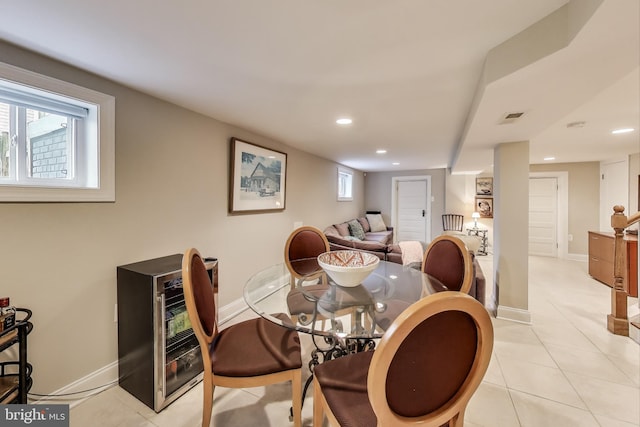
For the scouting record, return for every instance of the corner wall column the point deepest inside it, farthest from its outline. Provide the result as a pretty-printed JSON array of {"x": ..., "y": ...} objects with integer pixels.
[{"x": 511, "y": 231}]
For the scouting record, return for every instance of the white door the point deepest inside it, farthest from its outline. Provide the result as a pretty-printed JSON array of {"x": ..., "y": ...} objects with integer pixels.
[
  {"x": 543, "y": 216},
  {"x": 411, "y": 210}
]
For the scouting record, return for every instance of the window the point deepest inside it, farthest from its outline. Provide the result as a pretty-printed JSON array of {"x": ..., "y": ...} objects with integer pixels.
[
  {"x": 345, "y": 184},
  {"x": 57, "y": 140}
]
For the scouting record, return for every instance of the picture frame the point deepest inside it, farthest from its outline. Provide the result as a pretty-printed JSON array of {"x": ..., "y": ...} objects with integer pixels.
[
  {"x": 484, "y": 186},
  {"x": 484, "y": 206},
  {"x": 258, "y": 177}
]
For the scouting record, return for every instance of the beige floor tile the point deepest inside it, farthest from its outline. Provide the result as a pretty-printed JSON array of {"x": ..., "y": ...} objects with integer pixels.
[
  {"x": 563, "y": 335},
  {"x": 543, "y": 381},
  {"x": 588, "y": 363},
  {"x": 105, "y": 410},
  {"x": 534, "y": 411},
  {"x": 494, "y": 373},
  {"x": 630, "y": 367},
  {"x": 609, "y": 399},
  {"x": 534, "y": 353},
  {"x": 611, "y": 422},
  {"x": 515, "y": 333},
  {"x": 132, "y": 402},
  {"x": 491, "y": 406}
]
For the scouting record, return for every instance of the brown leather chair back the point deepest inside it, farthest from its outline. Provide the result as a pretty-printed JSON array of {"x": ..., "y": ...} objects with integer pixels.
[
  {"x": 448, "y": 260},
  {"x": 302, "y": 249},
  {"x": 430, "y": 361},
  {"x": 439, "y": 374},
  {"x": 199, "y": 296}
]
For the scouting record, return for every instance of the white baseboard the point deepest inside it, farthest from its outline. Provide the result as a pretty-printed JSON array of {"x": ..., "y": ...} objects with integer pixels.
[
  {"x": 514, "y": 314},
  {"x": 578, "y": 257},
  {"x": 107, "y": 376},
  {"x": 231, "y": 310},
  {"x": 80, "y": 390}
]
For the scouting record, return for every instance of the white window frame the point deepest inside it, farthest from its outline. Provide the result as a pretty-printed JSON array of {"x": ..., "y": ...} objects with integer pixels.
[
  {"x": 96, "y": 144},
  {"x": 345, "y": 192}
]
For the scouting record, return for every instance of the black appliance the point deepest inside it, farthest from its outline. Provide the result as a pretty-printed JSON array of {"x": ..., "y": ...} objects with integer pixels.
[{"x": 158, "y": 354}]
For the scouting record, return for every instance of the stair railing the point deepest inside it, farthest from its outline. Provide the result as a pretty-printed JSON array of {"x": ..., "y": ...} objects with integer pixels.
[{"x": 618, "y": 320}]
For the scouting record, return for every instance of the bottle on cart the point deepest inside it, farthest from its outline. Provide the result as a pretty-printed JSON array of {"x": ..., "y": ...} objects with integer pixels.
[{"x": 7, "y": 314}]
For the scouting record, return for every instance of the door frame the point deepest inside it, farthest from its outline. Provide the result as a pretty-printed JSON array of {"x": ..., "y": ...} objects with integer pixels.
[
  {"x": 394, "y": 202},
  {"x": 562, "y": 230}
]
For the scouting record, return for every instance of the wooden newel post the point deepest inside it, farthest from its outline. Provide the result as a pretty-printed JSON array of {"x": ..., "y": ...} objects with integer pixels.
[{"x": 617, "y": 321}]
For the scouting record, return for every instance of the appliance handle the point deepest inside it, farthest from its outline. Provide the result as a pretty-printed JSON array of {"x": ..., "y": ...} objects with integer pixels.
[{"x": 163, "y": 308}]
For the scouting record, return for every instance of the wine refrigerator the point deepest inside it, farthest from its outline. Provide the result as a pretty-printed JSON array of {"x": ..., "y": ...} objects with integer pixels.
[{"x": 158, "y": 354}]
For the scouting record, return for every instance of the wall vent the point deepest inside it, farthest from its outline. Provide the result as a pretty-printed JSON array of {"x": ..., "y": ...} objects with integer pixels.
[{"x": 510, "y": 118}]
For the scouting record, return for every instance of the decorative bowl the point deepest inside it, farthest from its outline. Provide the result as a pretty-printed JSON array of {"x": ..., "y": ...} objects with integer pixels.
[{"x": 348, "y": 268}]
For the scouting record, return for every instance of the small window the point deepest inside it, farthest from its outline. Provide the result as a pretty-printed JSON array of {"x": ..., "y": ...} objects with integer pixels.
[
  {"x": 345, "y": 184},
  {"x": 57, "y": 140}
]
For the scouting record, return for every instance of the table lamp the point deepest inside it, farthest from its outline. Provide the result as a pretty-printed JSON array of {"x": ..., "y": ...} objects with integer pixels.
[{"x": 475, "y": 217}]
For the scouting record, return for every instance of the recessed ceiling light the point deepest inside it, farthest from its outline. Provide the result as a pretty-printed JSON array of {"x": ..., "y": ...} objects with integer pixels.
[
  {"x": 625, "y": 130},
  {"x": 381, "y": 151},
  {"x": 344, "y": 121},
  {"x": 548, "y": 159},
  {"x": 395, "y": 163}
]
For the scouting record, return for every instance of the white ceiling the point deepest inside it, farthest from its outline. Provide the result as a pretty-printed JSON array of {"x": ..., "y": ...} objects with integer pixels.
[{"x": 414, "y": 75}]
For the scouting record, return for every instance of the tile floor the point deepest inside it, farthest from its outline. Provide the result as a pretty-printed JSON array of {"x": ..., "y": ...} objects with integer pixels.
[{"x": 565, "y": 369}]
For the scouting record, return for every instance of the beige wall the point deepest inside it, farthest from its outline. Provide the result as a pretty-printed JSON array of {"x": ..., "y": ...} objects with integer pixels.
[
  {"x": 634, "y": 176},
  {"x": 171, "y": 193},
  {"x": 584, "y": 200},
  {"x": 461, "y": 196}
]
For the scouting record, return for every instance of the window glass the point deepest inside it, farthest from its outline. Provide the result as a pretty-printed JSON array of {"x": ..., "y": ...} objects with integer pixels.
[
  {"x": 345, "y": 184},
  {"x": 57, "y": 140}
]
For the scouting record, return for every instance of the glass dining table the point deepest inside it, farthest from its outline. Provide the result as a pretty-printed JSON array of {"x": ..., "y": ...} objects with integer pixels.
[{"x": 339, "y": 319}]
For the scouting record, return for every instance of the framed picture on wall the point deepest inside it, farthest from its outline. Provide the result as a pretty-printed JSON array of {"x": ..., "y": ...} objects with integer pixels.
[
  {"x": 484, "y": 186},
  {"x": 258, "y": 178},
  {"x": 484, "y": 206}
]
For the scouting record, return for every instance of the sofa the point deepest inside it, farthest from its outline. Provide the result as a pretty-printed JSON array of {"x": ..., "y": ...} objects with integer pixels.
[{"x": 380, "y": 243}]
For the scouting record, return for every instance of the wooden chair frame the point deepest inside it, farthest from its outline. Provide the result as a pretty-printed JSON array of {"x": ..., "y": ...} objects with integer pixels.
[
  {"x": 452, "y": 412},
  {"x": 211, "y": 380},
  {"x": 466, "y": 256}
]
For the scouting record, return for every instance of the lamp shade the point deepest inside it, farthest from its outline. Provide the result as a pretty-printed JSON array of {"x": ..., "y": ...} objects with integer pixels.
[{"x": 475, "y": 215}]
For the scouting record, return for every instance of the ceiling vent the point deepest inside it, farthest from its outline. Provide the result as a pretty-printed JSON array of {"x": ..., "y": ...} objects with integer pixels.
[{"x": 510, "y": 118}]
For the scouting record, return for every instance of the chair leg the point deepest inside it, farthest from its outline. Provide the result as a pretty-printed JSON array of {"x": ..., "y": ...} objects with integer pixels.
[
  {"x": 207, "y": 400},
  {"x": 296, "y": 397},
  {"x": 318, "y": 412}
]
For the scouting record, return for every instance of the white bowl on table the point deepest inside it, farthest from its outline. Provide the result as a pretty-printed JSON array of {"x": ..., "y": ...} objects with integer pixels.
[{"x": 348, "y": 268}]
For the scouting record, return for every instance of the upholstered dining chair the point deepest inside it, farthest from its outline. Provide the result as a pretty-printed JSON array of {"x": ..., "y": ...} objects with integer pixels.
[
  {"x": 448, "y": 260},
  {"x": 425, "y": 370},
  {"x": 301, "y": 252},
  {"x": 452, "y": 222},
  {"x": 251, "y": 353}
]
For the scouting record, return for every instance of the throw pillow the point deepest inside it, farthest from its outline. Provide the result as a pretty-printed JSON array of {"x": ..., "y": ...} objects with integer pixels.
[
  {"x": 376, "y": 222},
  {"x": 355, "y": 229},
  {"x": 365, "y": 224},
  {"x": 343, "y": 228}
]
